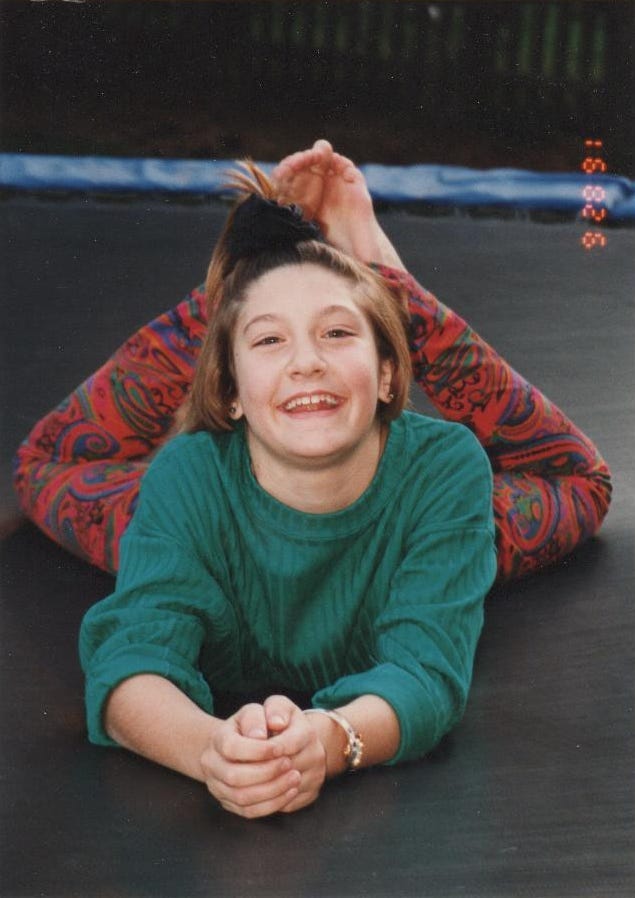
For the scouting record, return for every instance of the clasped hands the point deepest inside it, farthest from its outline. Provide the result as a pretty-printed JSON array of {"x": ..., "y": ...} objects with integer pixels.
[{"x": 264, "y": 759}]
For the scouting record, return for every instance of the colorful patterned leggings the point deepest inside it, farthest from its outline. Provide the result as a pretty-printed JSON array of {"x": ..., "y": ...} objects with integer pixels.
[{"x": 77, "y": 474}]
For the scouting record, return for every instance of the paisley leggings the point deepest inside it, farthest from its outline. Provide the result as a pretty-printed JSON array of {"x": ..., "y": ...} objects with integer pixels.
[{"x": 77, "y": 474}]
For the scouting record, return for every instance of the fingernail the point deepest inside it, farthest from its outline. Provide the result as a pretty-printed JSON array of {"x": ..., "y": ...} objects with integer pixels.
[
  {"x": 277, "y": 720},
  {"x": 257, "y": 733}
]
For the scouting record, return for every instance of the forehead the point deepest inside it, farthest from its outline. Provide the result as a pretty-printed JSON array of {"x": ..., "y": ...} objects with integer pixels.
[{"x": 296, "y": 290}]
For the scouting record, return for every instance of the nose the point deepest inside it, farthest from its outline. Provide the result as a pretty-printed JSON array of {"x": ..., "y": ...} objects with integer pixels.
[{"x": 305, "y": 360}]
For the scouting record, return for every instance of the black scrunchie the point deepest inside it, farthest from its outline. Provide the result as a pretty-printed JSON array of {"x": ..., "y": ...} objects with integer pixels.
[{"x": 261, "y": 225}]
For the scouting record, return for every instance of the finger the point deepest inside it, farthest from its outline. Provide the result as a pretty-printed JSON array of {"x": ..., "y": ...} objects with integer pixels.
[
  {"x": 293, "y": 740},
  {"x": 251, "y": 721},
  {"x": 244, "y": 796},
  {"x": 296, "y": 740},
  {"x": 227, "y": 775},
  {"x": 299, "y": 801},
  {"x": 261, "y": 809},
  {"x": 278, "y": 710},
  {"x": 311, "y": 764},
  {"x": 258, "y": 801},
  {"x": 233, "y": 747}
]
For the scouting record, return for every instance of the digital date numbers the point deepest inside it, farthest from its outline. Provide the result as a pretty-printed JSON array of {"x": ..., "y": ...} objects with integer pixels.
[{"x": 594, "y": 210}]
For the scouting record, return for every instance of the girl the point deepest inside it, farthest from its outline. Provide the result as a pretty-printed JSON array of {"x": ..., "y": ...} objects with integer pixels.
[{"x": 325, "y": 542}]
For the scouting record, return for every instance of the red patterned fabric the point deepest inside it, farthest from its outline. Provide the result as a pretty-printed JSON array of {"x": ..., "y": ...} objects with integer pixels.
[
  {"x": 77, "y": 474},
  {"x": 552, "y": 488}
]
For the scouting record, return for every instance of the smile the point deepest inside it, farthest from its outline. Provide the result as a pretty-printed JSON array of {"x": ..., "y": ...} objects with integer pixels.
[{"x": 313, "y": 402}]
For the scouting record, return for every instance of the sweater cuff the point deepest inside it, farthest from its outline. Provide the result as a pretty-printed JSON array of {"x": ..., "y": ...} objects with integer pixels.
[
  {"x": 104, "y": 677},
  {"x": 424, "y": 714}
]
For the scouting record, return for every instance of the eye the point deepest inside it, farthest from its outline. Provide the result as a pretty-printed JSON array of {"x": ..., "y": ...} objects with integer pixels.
[
  {"x": 267, "y": 341},
  {"x": 335, "y": 333}
]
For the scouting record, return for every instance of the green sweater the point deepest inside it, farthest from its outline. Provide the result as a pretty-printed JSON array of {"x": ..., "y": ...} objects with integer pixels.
[{"x": 221, "y": 587}]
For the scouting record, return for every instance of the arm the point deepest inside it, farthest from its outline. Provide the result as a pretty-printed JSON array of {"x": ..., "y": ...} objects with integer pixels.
[
  {"x": 314, "y": 747},
  {"x": 422, "y": 636},
  {"x": 369, "y": 715},
  {"x": 246, "y": 772},
  {"x": 140, "y": 652}
]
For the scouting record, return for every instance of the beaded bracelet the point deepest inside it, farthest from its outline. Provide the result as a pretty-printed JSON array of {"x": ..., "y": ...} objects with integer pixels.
[{"x": 354, "y": 751}]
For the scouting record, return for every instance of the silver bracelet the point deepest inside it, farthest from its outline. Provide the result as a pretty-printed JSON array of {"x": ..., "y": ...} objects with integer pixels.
[{"x": 354, "y": 750}]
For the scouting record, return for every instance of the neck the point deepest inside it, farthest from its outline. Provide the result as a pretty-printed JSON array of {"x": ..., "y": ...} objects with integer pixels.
[{"x": 320, "y": 486}]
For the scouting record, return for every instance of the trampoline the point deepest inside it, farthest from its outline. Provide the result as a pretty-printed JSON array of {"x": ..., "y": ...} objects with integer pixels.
[{"x": 532, "y": 794}]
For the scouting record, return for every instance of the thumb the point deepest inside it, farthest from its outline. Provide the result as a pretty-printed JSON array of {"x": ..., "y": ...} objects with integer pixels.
[
  {"x": 251, "y": 721},
  {"x": 278, "y": 711}
]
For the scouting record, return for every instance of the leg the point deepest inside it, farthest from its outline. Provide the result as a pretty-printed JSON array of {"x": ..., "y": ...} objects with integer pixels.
[
  {"x": 551, "y": 487},
  {"x": 338, "y": 199},
  {"x": 77, "y": 474}
]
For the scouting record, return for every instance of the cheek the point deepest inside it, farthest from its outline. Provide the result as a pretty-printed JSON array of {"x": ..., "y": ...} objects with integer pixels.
[
  {"x": 363, "y": 377},
  {"x": 253, "y": 384},
  {"x": 241, "y": 371}
]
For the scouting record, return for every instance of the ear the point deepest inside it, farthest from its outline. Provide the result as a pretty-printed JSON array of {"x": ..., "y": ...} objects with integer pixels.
[
  {"x": 235, "y": 409},
  {"x": 386, "y": 373}
]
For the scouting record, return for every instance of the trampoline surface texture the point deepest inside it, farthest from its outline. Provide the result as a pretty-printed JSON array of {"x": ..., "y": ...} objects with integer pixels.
[{"x": 533, "y": 794}]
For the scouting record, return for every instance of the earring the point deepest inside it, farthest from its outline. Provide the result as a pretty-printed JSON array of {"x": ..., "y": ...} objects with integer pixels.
[
  {"x": 232, "y": 409},
  {"x": 391, "y": 396}
]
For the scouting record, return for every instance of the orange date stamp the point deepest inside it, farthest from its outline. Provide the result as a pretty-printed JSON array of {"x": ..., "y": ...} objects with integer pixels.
[{"x": 594, "y": 195}]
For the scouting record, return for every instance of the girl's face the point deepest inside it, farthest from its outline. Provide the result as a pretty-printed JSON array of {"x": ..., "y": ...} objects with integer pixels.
[{"x": 307, "y": 371}]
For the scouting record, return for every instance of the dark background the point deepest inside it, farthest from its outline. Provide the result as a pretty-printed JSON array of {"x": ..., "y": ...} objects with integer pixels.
[
  {"x": 531, "y": 796},
  {"x": 478, "y": 84},
  {"x": 533, "y": 793}
]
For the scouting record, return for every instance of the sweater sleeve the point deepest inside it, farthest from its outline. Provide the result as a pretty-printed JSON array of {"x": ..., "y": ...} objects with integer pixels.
[
  {"x": 165, "y": 606},
  {"x": 425, "y": 635}
]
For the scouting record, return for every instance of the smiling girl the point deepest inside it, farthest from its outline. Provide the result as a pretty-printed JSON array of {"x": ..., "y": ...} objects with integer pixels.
[{"x": 305, "y": 533}]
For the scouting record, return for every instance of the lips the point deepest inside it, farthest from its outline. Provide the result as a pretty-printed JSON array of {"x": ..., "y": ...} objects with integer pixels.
[{"x": 311, "y": 402}]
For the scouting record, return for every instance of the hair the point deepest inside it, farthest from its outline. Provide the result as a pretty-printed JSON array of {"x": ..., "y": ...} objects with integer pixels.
[{"x": 214, "y": 385}]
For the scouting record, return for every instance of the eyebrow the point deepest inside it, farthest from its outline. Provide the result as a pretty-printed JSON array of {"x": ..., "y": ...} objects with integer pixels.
[
  {"x": 327, "y": 310},
  {"x": 257, "y": 319}
]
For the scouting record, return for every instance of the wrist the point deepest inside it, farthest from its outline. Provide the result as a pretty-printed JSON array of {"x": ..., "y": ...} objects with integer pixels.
[
  {"x": 333, "y": 741},
  {"x": 342, "y": 744}
]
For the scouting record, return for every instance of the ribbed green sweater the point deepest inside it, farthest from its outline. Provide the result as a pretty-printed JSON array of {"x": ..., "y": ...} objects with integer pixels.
[{"x": 221, "y": 587}]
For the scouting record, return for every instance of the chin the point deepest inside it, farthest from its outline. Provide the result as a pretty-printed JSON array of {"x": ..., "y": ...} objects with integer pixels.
[{"x": 320, "y": 454}]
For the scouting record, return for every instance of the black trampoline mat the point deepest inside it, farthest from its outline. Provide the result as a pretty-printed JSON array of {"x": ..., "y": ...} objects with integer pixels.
[{"x": 533, "y": 794}]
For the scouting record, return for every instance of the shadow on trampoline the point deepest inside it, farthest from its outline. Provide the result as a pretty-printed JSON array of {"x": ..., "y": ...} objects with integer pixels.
[{"x": 532, "y": 794}]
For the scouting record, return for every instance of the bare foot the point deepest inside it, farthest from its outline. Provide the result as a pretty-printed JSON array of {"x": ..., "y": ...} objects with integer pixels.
[
  {"x": 299, "y": 178},
  {"x": 331, "y": 190},
  {"x": 347, "y": 207},
  {"x": 347, "y": 217}
]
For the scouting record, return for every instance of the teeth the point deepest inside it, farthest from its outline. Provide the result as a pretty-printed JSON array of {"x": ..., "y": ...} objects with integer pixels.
[{"x": 316, "y": 399}]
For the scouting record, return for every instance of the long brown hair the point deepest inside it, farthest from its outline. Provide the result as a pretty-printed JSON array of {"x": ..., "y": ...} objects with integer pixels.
[{"x": 214, "y": 386}]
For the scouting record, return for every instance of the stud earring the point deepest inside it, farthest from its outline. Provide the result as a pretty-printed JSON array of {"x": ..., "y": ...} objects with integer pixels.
[
  {"x": 232, "y": 409},
  {"x": 391, "y": 396}
]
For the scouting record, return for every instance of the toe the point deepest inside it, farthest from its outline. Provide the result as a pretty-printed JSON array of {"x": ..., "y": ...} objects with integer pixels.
[{"x": 344, "y": 167}]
